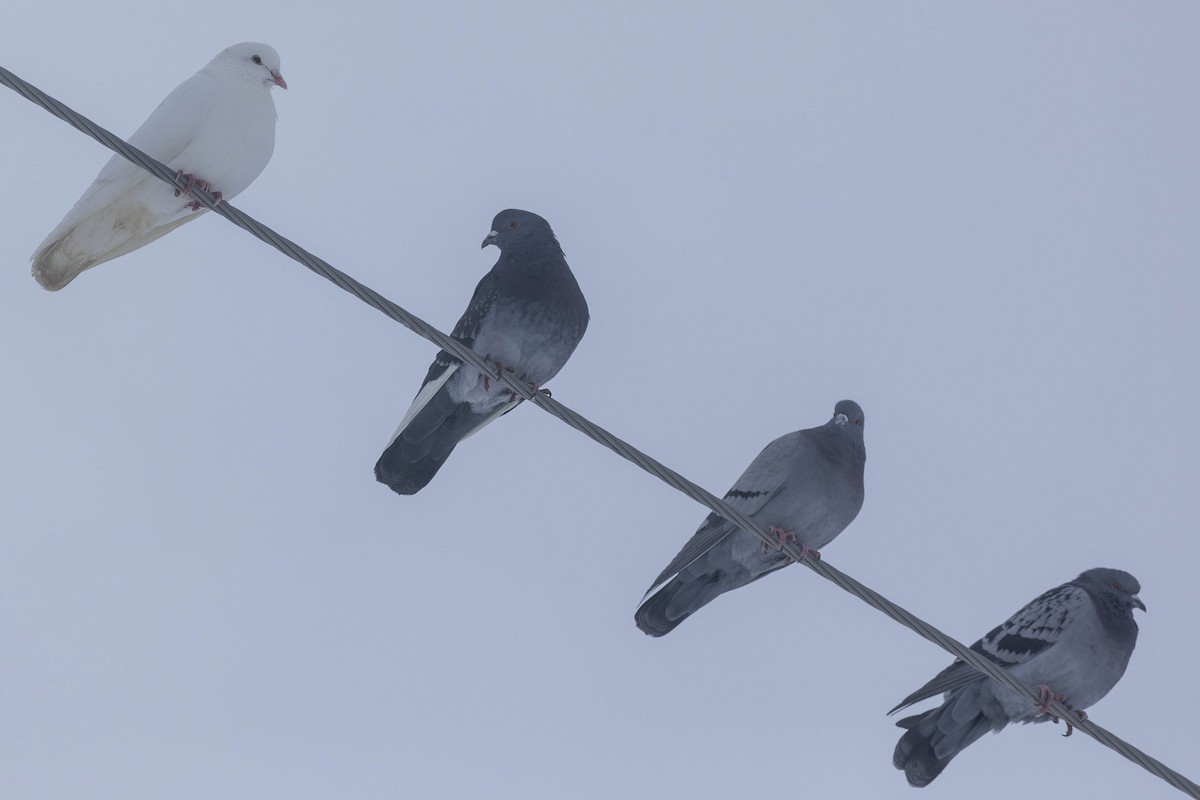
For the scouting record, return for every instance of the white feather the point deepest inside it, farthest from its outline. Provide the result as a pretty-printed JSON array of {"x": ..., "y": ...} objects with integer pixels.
[
  {"x": 497, "y": 412},
  {"x": 422, "y": 399}
]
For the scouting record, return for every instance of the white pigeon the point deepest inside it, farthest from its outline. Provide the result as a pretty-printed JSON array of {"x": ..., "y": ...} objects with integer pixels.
[{"x": 217, "y": 128}]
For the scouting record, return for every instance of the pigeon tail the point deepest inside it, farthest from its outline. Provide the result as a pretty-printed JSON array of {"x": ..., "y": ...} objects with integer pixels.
[
  {"x": 53, "y": 270},
  {"x": 418, "y": 451},
  {"x": 62, "y": 258},
  {"x": 662, "y": 612},
  {"x": 405, "y": 477},
  {"x": 936, "y": 737}
]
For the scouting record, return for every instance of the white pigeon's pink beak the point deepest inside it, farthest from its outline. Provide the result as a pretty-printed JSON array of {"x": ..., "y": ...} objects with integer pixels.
[{"x": 278, "y": 78}]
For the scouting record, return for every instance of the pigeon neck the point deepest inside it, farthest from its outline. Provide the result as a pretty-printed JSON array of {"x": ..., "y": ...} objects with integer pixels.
[
  {"x": 836, "y": 443},
  {"x": 533, "y": 258},
  {"x": 541, "y": 245},
  {"x": 1115, "y": 615}
]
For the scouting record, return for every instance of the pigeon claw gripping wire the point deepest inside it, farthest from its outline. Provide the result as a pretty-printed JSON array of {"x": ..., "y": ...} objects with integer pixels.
[
  {"x": 512, "y": 395},
  {"x": 500, "y": 367},
  {"x": 196, "y": 205},
  {"x": 487, "y": 386},
  {"x": 193, "y": 183},
  {"x": 781, "y": 534},
  {"x": 785, "y": 536},
  {"x": 1046, "y": 697}
]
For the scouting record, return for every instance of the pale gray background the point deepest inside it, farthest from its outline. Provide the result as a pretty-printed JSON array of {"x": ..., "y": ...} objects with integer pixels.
[{"x": 978, "y": 220}]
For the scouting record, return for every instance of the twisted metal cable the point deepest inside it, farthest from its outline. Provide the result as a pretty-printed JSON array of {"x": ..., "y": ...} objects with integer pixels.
[{"x": 593, "y": 431}]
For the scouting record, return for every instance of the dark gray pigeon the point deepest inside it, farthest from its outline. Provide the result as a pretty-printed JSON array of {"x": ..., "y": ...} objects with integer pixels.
[
  {"x": 1073, "y": 643},
  {"x": 526, "y": 316},
  {"x": 805, "y": 486}
]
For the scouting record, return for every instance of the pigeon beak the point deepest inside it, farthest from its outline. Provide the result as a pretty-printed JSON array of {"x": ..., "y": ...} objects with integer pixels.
[
  {"x": 489, "y": 239},
  {"x": 278, "y": 80},
  {"x": 1137, "y": 602}
]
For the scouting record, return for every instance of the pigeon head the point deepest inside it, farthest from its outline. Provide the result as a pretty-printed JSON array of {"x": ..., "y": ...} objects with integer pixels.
[
  {"x": 1114, "y": 586},
  {"x": 513, "y": 227},
  {"x": 849, "y": 415},
  {"x": 249, "y": 61}
]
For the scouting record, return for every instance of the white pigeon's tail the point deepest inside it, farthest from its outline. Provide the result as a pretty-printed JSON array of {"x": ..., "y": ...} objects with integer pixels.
[
  {"x": 53, "y": 266},
  {"x": 93, "y": 240}
]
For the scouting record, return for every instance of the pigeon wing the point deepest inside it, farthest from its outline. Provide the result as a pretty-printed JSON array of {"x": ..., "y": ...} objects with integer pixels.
[
  {"x": 763, "y": 479},
  {"x": 1035, "y": 628},
  {"x": 1031, "y": 631},
  {"x": 444, "y": 364},
  {"x": 164, "y": 135}
]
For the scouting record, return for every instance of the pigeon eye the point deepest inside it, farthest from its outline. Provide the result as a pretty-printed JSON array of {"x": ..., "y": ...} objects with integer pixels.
[
  {"x": 1116, "y": 586},
  {"x": 256, "y": 59},
  {"x": 514, "y": 224}
]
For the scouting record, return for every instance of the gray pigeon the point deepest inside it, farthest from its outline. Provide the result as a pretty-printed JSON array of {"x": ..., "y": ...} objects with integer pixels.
[
  {"x": 526, "y": 317},
  {"x": 805, "y": 486},
  {"x": 1073, "y": 643}
]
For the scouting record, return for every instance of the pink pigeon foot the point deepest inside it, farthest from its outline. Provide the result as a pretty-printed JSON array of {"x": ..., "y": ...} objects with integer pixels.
[
  {"x": 194, "y": 182},
  {"x": 196, "y": 205},
  {"x": 487, "y": 385},
  {"x": 1079, "y": 712},
  {"x": 1046, "y": 697},
  {"x": 784, "y": 536},
  {"x": 500, "y": 367},
  {"x": 780, "y": 534}
]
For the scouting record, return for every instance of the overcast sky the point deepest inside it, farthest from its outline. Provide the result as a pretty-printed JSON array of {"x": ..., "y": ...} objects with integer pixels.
[{"x": 977, "y": 220}]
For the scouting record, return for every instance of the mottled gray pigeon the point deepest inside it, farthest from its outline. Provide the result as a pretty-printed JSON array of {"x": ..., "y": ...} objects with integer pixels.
[
  {"x": 805, "y": 486},
  {"x": 1073, "y": 643},
  {"x": 526, "y": 317},
  {"x": 217, "y": 128}
]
